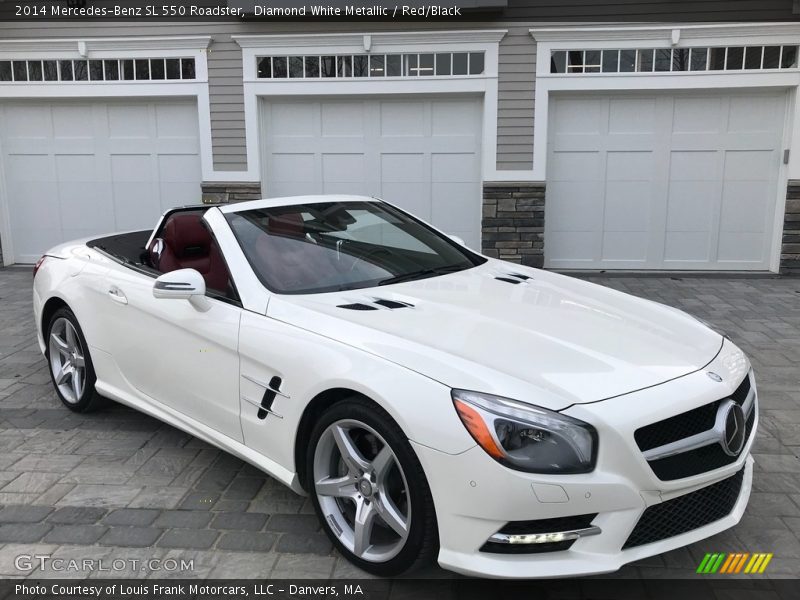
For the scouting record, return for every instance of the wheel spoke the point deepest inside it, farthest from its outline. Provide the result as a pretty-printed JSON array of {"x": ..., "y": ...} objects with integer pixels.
[
  {"x": 62, "y": 346},
  {"x": 351, "y": 456},
  {"x": 382, "y": 464},
  {"x": 338, "y": 487},
  {"x": 362, "y": 530},
  {"x": 80, "y": 362},
  {"x": 63, "y": 373},
  {"x": 77, "y": 383},
  {"x": 72, "y": 342},
  {"x": 388, "y": 512}
]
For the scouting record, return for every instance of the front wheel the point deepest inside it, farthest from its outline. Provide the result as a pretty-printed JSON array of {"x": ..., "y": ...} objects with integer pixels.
[
  {"x": 71, "y": 366},
  {"x": 369, "y": 490}
]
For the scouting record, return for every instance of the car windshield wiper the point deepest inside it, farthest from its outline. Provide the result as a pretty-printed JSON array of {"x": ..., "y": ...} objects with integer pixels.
[{"x": 422, "y": 273}]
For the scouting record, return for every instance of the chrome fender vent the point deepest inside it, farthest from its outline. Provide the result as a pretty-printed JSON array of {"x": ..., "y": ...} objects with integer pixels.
[
  {"x": 377, "y": 304},
  {"x": 513, "y": 278},
  {"x": 357, "y": 306}
]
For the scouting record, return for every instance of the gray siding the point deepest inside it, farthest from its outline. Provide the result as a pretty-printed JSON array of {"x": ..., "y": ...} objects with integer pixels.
[{"x": 516, "y": 78}]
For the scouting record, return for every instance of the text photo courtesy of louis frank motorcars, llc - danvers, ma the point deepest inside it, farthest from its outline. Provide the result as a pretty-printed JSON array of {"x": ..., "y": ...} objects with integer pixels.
[{"x": 385, "y": 300}]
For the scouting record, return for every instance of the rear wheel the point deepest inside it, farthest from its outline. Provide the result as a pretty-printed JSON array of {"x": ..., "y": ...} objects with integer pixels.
[
  {"x": 369, "y": 490},
  {"x": 71, "y": 366}
]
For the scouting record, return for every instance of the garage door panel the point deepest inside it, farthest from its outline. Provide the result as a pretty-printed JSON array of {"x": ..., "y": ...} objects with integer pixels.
[
  {"x": 295, "y": 119},
  {"x": 698, "y": 180},
  {"x": 573, "y": 247},
  {"x": 688, "y": 207},
  {"x": 403, "y": 119},
  {"x": 342, "y": 120},
  {"x": 632, "y": 115},
  {"x": 681, "y": 246},
  {"x": 744, "y": 206},
  {"x": 576, "y": 166},
  {"x": 625, "y": 246},
  {"x": 627, "y": 206},
  {"x": 414, "y": 152},
  {"x": 579, "y": 116},
  {"x": 580, "y": 206},
  {"x": 91, "y": 167}
]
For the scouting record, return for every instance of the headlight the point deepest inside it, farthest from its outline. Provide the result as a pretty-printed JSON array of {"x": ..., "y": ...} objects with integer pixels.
[{"x": 527, "y": 438}]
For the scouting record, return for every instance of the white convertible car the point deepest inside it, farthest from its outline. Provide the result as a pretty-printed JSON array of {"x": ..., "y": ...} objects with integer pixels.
[{"x": 433, "y": 402}]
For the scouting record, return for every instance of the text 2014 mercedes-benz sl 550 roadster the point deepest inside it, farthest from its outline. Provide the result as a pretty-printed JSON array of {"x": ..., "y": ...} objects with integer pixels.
[{"x": 433, "y": 402}]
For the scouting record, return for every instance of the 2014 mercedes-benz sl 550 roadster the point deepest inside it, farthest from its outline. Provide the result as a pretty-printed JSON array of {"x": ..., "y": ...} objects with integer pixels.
[{"x": 434, "y": 403}]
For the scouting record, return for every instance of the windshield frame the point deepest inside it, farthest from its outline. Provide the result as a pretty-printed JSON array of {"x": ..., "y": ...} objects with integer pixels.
[{"x": 469, "y": 255}]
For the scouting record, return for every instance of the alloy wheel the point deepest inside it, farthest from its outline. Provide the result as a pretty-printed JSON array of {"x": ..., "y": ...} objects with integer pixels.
[
  {"x": 67, "y": 361},
  {"x": 362, "y": 490}
]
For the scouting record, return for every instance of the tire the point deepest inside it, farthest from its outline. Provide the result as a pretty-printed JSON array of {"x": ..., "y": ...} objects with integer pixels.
[
  {"x": 380, "y": 482},
  {"x": 70, "y": 364}
]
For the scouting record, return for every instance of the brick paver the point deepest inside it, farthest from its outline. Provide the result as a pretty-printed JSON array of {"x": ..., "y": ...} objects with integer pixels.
[{"x": 119, "y": 485}]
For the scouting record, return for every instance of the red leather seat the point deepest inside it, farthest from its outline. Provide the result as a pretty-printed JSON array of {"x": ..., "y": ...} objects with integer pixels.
[{"x": 186, "y": 243}]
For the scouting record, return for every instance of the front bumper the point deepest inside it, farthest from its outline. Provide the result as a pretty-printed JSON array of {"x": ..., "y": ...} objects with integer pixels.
[{"x": 475, "y": 496}]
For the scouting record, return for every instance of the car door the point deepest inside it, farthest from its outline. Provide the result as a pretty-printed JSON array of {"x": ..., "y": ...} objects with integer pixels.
[{"x": 173, "y": 353}]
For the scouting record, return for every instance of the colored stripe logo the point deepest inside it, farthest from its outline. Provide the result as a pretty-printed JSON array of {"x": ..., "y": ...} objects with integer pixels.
[{"x": 735, "y": 562}]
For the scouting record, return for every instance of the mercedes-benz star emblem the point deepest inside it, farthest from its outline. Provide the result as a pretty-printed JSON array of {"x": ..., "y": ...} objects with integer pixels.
[
  {"x": 733, "y": 435},
  {"x": 714, "y": 376}
]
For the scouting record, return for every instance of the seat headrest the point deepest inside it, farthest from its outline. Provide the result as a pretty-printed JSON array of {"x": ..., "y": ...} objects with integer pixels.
[
  {"x": 187, "y": 236},
  {"x": 288, "y": 224}
]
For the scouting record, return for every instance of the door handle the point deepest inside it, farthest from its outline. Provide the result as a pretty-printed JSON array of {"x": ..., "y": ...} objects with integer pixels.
[{"x": 117, "y": 295}]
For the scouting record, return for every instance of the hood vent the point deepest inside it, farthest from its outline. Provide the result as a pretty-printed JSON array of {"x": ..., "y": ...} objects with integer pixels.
[
  {"x": 392, "y": 303},
  {"x": 514, "y": 278},
  {"x": 357, "y": 306},
  {"x": 377, "y": 304}
]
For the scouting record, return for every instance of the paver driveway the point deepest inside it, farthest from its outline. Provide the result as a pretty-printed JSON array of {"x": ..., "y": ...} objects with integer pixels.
[{"x": 118, "y": 485}]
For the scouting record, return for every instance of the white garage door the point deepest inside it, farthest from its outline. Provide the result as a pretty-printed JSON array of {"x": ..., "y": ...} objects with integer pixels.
[
  {"x": 74, "y": 169},
  {"x": 421, "y": 154},
  {"x": 663, "y": 182}
]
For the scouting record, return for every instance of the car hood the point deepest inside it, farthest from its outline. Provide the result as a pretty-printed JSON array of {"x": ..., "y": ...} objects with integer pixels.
[{"x": 550, "y": 340}]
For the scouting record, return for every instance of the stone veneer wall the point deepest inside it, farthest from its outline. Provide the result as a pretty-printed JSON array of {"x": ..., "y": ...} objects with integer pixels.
[
  {"x": 215, "y": 192},
  {"x": 513, "y": 222},
  {"x": 790, "y": 250}
]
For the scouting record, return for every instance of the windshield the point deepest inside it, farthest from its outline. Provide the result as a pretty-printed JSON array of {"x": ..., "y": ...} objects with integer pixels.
[{"x": 332, "y": 246}]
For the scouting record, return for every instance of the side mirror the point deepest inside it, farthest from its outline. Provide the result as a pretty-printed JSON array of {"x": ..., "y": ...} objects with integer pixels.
[
  {"x": 457, "y": 240},
  {"x": 182, "y": 284}
]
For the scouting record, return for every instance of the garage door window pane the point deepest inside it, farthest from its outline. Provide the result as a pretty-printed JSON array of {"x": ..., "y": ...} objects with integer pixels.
[
  {"x": 312, "y": 66},
  {"x": 157, "y": 69},
  {"x": 410, "y": 67},
  {"x": 699, "y": 59},
  {"x": 772, "y": 56},
  {"x": 35, "y": 70},
  {"x": 96, "y": 70},
  {"x": 80, "y": 69},
  {"x": 459, "y": 63},
  {"x": 575, "y": 62},
  {"x": 295, "y": 66},
  {"x": 680, "y": 59},
  {"x": 394, "y": 65},
  {"x": 476, "y": 63},
  {"x": 426, "y": 64},
  {"x": 443, "y": 66},
  {"x": 65, "y": 66},
  {"x": 20, "y": 70},
  {"x": 112, "y": 70},
  {"x": 663, "y": 59},
  {"x": 329, "y": 66},
  {"x": 558, "y": 62},
  {"x": 789, "y": 57},
  {"x": 360, "y": 66},
  {"x": 645, "y": 58},
  {"x": 173, "y": 68},
  {"x": 377, "y": 65},
  {"x": 717, "y": 60},
  {"x": 264, "y": 68},
  {"x": 735, "y": 59},
  {"x": 142, "y": 69},
  {"x": 127, "y": 70},
  {"x": 627, "y": 61},
  {"x": 591, "y": 61},
  {"x": 279, "y": 66},
  {"x": 187, "y": 68},
  {"x": 5, "y": 70},
  {"x": 610, "y": 61},
  {"x": 344, "y": 66},
  {"x": 752, "y": 57}
]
